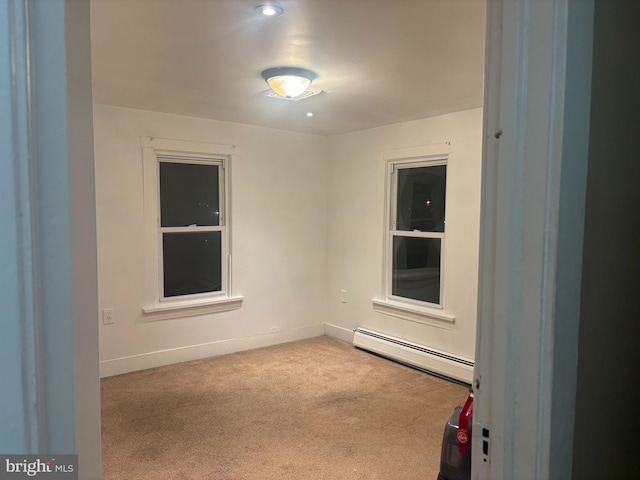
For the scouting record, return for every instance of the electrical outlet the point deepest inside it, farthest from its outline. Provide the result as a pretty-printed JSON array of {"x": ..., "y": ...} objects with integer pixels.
[
  {"x": 108, "y": 316},
  {"x": 343, "y": 296}
]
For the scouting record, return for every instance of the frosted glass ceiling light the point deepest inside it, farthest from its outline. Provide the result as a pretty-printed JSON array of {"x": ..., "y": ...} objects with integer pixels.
[{"x": 289, "y": 81}]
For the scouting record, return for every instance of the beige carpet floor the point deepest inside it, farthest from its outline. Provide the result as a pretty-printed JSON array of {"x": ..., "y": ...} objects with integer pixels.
[{"x": 313, "y": 409}]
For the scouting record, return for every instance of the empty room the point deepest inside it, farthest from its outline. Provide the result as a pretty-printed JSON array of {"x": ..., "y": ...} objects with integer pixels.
[
  {"x": 214, "y": 250},
  {"x": 231, "y": 217}
]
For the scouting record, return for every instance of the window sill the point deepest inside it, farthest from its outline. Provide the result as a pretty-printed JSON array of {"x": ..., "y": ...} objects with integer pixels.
[
  {"x": 426, "y": 316},
  {"x": 178, "y": 309}
]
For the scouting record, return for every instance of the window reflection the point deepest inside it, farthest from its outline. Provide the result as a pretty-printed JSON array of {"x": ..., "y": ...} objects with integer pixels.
[
  {"x": 191, "y": 263},
  {"x": 421, "y": 198}
]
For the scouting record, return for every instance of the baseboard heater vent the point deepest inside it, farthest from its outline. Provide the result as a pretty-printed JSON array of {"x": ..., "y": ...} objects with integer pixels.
[{"x": 414, "y": 355}]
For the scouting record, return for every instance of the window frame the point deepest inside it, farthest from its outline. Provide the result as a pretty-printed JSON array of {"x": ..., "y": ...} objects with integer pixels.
[
  {"x": 400, "y": 307},
  {"x": 156, "y": 305},
  {"x": 221, "y": 227},
  {"x": 391, "y": 228}
]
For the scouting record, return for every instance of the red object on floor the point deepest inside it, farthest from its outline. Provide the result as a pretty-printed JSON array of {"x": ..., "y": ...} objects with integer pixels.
[{"x": 463, "y": 424}]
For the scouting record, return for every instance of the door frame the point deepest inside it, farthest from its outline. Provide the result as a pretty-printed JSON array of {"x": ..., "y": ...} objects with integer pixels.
[
  {"x": 49, "y": 341},
  {"x": 535, "y": 146}
]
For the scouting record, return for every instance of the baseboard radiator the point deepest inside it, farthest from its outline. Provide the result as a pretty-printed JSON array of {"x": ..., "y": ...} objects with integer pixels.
[{"x": 412, "y": 354}]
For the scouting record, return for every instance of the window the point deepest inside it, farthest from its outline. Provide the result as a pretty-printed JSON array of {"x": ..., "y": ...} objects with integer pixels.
[
  {"x": 416, "y": 232},
  {"x": 186, "y": 203},
  {"x": 191, "y": 227}
]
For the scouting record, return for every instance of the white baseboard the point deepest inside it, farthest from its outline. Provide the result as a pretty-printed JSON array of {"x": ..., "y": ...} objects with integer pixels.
[
  {"x": 160, "y": 358},
  {"x": 340, "y": 333},
  {"x": 420, "y": 356}
]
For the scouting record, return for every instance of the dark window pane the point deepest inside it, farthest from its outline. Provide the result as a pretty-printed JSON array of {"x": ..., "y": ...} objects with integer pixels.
[
  {"x": 192, "y": 263},
  {"x": 416, "y": 268},
  {"x": 188, "y": 194},
  {"x": 421, "y": 196}
]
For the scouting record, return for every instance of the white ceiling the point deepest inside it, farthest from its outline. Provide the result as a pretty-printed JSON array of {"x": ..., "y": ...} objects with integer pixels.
[{"x": 379, "y": 62}]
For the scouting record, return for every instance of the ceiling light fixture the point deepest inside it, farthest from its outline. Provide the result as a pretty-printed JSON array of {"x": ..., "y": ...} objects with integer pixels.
[
  {"x": 289, "y": 82},
  {"x": 270, "y": 10}
]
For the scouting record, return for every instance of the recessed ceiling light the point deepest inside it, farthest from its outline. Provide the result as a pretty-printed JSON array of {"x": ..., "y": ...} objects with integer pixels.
[
  {"x": 269, "y": 10},
  {"x": 309, "y": 114}
]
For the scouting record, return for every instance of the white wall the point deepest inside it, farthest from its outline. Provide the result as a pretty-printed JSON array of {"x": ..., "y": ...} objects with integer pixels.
[
  {"x": 307, "y": 222},
  {"x": 279, "y": 239},
  {"x": 356, "y": 212}
]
